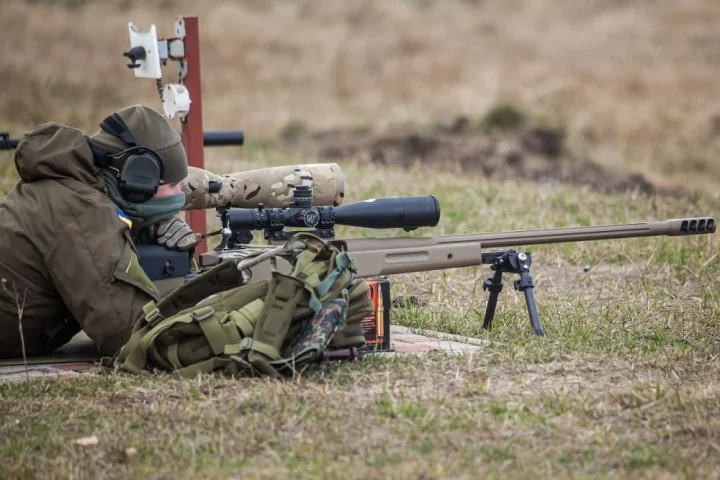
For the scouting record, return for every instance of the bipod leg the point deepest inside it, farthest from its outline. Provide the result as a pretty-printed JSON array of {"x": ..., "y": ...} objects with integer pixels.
[
  {"x": 526, "y": 285},
  {"x": 494, "y": 285}
]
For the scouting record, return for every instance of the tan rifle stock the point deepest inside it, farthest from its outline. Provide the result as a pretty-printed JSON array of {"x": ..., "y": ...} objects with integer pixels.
[{"x": 393, "y": 255}]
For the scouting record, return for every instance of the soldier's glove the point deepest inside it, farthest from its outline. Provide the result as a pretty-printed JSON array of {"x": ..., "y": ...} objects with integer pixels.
[{"x": 177, "y": 235}]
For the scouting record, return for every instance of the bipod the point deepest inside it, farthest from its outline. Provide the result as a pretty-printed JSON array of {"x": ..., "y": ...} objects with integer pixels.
[{"x": 510, "y": 261}]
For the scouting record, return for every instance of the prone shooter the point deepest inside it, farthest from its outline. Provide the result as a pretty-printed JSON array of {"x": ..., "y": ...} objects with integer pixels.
[
  {"x": 72, "y": 224},
  {"x": 98, "y": 246}
]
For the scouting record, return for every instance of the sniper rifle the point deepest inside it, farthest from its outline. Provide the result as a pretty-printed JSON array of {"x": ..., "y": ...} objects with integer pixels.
[{"x": 377, "y": 257}]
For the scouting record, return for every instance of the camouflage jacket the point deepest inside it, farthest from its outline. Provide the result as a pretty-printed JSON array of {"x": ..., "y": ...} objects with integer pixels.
[{"x": 67, "y": 250}]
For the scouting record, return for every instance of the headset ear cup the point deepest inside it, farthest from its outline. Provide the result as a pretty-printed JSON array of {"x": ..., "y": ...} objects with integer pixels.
[
  {"x": 140, "y": 177},
  {"x": 160, "y": 164},
  {"x": 140, "y": 169}
]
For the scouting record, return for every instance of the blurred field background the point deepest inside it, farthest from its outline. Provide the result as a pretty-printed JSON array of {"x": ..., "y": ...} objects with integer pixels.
[
  {"x": 517, "y": 114},
  {"x": 633, "y": 84}
]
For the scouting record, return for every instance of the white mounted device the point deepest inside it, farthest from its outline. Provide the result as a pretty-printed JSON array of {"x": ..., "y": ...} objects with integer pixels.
[
  {"x": 176, "y": 101},
  {"x": 144, "y": 53},
  {"x": 148, "y": 54}
]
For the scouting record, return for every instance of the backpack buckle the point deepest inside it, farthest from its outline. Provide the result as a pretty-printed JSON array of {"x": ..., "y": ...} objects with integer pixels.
[
  {"x": 237, "y": 351},
  {"x": 152, "y": 314},
  {"x": 244, "y": 366},
  {"x": 202, "y": 313},
  {"x": 245, "y": 344}
]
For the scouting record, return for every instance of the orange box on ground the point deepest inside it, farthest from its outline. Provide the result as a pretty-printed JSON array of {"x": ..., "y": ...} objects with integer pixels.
[{"x": 377, "y": 325}]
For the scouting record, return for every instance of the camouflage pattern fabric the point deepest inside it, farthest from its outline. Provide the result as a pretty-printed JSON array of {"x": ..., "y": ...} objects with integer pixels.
[
  {"x": 270, "y": 186},
  {"x": 313, "y": 338}
]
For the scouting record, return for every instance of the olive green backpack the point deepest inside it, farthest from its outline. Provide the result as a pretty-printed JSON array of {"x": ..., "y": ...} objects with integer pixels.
[{"x": 217, "y": 322}]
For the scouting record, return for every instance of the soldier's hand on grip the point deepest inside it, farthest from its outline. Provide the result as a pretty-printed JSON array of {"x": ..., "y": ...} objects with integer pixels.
[{"x": 177, "y": 235}]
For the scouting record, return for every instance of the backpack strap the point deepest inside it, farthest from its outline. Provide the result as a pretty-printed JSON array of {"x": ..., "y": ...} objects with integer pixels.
[
  {"x": 218, "y": 279},
  {"x": 133, "y": 357},
  {"x": 320, "y": 271},
  {"x": 271, "y": 329},
  {"x": 225, "y": 333},
  {"x": 315, "y": 261}
]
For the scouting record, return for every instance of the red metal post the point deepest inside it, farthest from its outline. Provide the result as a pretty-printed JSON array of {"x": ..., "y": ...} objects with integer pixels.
[{"x": 192, "y": 124}]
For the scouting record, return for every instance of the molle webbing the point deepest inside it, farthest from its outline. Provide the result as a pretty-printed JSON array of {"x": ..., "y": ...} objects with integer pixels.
[
  {"x": 220, "y": 278},
  {"x": 274, "y": 323}
]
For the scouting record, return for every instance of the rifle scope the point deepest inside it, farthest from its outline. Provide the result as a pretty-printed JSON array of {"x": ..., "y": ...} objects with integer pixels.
[{"x": 407, "y": 213}]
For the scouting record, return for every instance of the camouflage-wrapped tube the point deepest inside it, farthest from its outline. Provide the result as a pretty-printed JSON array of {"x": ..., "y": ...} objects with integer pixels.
[{"x": 270, "y": 186}]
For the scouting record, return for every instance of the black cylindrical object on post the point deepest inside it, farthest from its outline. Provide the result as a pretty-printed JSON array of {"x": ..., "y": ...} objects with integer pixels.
[
  {"x": 7, "y": 143},
  {"x": 223, "y": 138},
  {"x": 212, "y": 138}
]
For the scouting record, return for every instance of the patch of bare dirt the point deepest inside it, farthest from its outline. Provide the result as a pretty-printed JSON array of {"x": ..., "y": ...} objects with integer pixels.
[{"x": 533, "y": 153}]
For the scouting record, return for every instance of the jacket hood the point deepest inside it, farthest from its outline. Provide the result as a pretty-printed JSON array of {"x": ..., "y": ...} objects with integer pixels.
[{"x": 55, "y": 151}]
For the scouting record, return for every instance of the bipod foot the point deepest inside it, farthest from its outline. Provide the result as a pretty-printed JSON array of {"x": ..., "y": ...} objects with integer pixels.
[{"x": 510, "y": 261}]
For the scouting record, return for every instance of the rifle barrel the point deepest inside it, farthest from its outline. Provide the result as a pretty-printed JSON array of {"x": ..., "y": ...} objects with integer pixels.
[{"x": 674, "y": 227}]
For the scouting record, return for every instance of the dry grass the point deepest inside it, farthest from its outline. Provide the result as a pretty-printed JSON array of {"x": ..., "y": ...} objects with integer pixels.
[
  {"x": 624, "y": 385},
  {"x": 626, "y": 382},
  {"x": 634, "y": 82},
  {"x": 481, "y": 416}
]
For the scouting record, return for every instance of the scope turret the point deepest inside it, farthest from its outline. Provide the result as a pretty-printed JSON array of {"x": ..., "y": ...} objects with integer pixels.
[{"x": 407, "y": 213}]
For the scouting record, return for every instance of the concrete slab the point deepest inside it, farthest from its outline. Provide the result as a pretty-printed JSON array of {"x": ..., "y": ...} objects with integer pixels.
[
  {"x": 443, "y": 345},
  {"x": 411, "y": 349},
  {"x": 398, "y": 332},
  {"x": 34, "y": 372},
  {"x": 77, "y": 357}
]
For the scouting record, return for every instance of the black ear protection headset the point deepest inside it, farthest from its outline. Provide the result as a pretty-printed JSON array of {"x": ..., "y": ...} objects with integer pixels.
[{"x": 138, "y": 169}]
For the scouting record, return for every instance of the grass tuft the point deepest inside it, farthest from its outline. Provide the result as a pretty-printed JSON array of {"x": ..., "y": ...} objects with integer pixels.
[{"x": 504, "y": 118}]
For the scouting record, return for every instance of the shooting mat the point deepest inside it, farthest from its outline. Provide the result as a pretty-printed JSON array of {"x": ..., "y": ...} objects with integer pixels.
[{"x": 79, "y": 349}]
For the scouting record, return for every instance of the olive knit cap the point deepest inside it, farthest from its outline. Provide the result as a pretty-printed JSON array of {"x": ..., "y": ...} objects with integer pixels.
[{"x": 154, "y": 131}]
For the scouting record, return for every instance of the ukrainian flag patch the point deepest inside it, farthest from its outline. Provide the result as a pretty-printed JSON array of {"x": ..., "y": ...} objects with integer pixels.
[{"x": 124, "y": 218}]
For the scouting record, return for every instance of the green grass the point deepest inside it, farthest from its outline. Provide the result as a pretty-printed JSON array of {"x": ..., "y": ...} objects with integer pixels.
[
  {"x": 398, "y": 418},
  {"x": 625, "y": 384}
]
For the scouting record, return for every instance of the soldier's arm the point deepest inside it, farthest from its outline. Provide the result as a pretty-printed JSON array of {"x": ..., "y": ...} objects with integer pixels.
[{"x": 95, "y": 269}]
